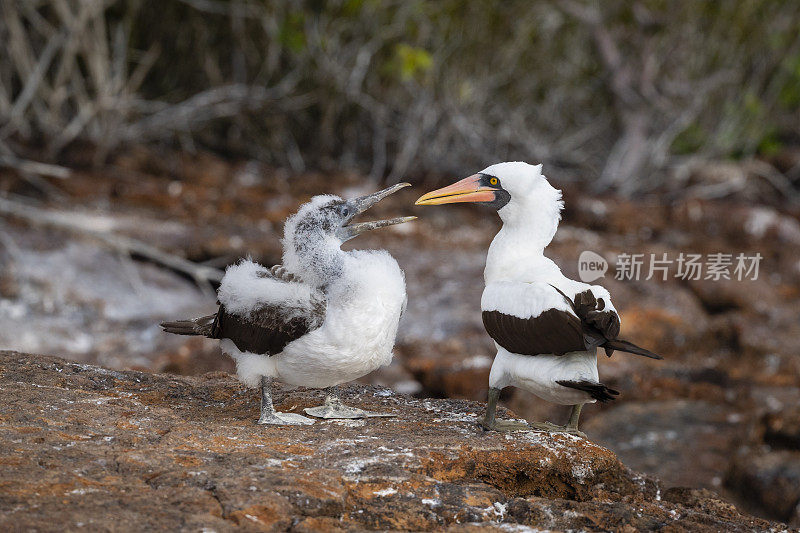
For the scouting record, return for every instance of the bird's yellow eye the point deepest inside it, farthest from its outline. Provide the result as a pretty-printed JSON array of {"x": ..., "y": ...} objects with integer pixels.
[{"x": 493, "y": 181}]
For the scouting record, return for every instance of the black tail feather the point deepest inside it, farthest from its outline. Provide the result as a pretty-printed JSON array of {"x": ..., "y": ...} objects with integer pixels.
[
  {"x": 195, "y": 326},
  {"x": 598, "y": 391},
  {"x": 625, "y": 346}
]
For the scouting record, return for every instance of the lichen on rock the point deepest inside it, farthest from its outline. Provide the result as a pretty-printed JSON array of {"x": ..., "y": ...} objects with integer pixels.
[{"x": 81, "y": 446}]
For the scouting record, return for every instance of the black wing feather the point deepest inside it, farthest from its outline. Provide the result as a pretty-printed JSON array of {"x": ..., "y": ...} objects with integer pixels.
[
  {"x": 602, "y": 327},
  {"x": 265, "y": 330},
  {"x": 268, "y": 329},
  {"x": 552, "y": 332},
  {"x": 558, "y": 332}
]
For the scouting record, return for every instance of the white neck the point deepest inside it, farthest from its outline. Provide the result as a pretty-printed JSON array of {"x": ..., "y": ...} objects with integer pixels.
[{"x": 528, "y": 227}]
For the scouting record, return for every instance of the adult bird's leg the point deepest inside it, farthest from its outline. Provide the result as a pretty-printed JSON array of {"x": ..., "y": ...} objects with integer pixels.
[
  {"x": 491, "y": 407},
  {"x": 268, "y": 413},
  {"x": 571, "y": 427},
  {"x": 334, "y": 408},
  {"x": 574, "y": 415},
  {"x": 489, "y": 420}
]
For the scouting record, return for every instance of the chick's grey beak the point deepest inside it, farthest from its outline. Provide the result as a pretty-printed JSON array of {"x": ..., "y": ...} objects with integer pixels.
[
  {"x": 361, "y": 204},
  {"x": 356, "y": 229}
]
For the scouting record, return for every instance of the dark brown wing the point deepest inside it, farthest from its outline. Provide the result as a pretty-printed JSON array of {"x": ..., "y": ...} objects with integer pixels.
[
  {"x": 269, "y": 328},
  {"x": 601, "y": 327},
  {"x": 592, "y": 312},
  {"x": 552, "y": 332}
]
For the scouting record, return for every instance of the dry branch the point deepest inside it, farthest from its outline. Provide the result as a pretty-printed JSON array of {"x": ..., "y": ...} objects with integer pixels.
[
  {"x": 597, "y": 87},
  {"x": 77, "y": 223},
  {"x": 34, "y": 167}
]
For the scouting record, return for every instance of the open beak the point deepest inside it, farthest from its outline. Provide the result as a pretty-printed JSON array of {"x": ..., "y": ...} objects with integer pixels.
[
  {"x": 467, "y": 190},
  {"x": 361, "y": 204}
]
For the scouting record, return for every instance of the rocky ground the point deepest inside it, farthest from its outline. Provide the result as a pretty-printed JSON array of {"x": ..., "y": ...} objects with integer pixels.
[
  {"x": 721, "y": 412},
  {"x": 86, "y": 448}
]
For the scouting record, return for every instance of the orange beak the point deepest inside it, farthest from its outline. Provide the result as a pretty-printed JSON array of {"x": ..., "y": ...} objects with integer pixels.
[{"x": 467, "y": 190}]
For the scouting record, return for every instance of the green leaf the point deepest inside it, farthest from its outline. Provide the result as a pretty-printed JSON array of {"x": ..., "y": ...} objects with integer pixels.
[
  {"x": 412, "y": 62},
  {"x": 292, "y": 32}
]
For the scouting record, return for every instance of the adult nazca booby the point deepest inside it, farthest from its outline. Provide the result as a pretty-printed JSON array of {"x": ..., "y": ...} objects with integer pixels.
[
  {"x": 323, "y": 318},
  {"x": 546, "y": 327}
]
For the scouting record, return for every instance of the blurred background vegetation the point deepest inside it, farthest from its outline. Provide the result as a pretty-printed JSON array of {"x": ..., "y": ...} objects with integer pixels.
[
  {"x": 622, "y": 94},
  {"x": 145, "y": 145}
]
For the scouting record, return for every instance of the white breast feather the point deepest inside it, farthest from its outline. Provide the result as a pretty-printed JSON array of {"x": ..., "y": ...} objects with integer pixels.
[{"x": 522, "y": 300}]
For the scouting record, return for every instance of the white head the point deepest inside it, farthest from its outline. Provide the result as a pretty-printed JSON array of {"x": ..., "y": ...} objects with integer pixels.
[{"x": 518, "y": 191}]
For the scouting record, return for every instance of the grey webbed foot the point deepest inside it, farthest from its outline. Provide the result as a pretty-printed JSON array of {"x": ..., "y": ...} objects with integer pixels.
[
  {"x": 284, "y": 419},
  {"x": 506, "y": 425},
  {"x": 571, "y": 427},
  {"x": 334, "y": 408},
  {"x": 549, "y": 427}
]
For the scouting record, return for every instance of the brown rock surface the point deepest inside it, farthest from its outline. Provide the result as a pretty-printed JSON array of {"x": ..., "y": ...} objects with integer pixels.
[
  {"x": 636, "y": 430},
  {"x": 730, "y": 347},
  {"x": 770, "y": 480},
  {"x": 82, "y": 446}
]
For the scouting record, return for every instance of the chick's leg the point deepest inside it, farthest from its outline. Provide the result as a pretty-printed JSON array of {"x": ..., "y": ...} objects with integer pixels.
[{"x": 272, "y": 417}]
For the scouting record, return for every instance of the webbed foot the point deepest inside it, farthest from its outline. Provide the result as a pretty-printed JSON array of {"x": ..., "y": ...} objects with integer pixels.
[
  {"x": 334, "y": 408},
  {"x": 549, "y": 427},
  {"x": 506, "y": 425},
  {"x": 284, "y": 419}
]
